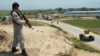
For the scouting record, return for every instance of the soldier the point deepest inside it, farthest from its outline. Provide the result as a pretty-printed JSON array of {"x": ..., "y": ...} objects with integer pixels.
[
  {"x": 18, "y": 32},
  {"x": 57, "y": 22}
]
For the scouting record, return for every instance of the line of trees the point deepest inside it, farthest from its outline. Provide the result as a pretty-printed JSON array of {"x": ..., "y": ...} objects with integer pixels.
[
  {"x": 51, "y": 11},
  {"x": 62, "y": 10},
  {"x": 83, "y": 9}
]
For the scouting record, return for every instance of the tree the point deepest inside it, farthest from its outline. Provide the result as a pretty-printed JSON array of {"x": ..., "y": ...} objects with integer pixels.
[
  {"x": 60, "y": 10},
  {"x": 84, "y": 9}
]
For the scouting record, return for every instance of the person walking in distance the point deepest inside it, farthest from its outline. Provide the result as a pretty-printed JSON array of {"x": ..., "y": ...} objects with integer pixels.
[{"x": 18, "y": 22}]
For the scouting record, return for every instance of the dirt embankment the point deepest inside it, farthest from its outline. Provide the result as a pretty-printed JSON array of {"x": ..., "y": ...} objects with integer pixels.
[{"x": 42, "y": 41}]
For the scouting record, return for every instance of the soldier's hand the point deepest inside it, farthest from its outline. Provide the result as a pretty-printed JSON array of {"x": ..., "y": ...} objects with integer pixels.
[
  {"x": 21, "y": 16},
  {"x": 26, "y": 22}
]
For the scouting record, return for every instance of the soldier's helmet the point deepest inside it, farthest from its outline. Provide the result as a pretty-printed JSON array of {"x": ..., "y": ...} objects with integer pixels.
[
  {"x": 86, "y": 31},
  {"x": 15, "y": 4}
]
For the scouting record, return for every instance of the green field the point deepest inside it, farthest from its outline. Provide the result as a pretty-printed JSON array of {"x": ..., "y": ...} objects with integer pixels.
[
  {"x": 80, "y": 45},
  {"x": 30, "y": 16},
  {"x": 4, "y": 13},
  {"x": 92, "y": 25},
  {"x": 35, "y": 23}
]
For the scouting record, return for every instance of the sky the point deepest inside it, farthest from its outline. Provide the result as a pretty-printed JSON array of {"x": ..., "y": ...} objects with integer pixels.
[{"x": 49, "y": 4}]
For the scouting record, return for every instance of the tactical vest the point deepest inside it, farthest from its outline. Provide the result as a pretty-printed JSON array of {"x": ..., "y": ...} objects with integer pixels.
[{"x": 12, "y": 16}]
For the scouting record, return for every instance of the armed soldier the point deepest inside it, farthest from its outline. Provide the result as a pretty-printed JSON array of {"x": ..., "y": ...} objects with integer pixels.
[{"x": 18, "y": 22}]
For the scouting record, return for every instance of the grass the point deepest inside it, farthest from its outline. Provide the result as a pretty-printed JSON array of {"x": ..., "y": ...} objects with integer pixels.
[
  {"x": 84, "y": 23},
  {"x": 4, "y": 13},
  {"x": 92, "y": 25},
  {"x": 80, "y": 45},
  {"x": 1, "y": 41},
  {"x": 35, "y": 23},
  {"x": 30, "y": 16},
  {"x": 59, "y": 28},
  {"x": 10, "y": 44}
]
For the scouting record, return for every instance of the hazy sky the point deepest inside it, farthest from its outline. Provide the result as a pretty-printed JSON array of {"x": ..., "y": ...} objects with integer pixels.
[{"x": 47, "y": 4}]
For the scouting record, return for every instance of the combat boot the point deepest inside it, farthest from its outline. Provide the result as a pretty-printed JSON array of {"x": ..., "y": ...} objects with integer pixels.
[
  {"x": 14, "y": 50},
  {"x": 24, "y": 52}
]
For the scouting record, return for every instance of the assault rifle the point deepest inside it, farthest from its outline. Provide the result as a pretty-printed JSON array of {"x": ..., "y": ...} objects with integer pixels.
[{"x": 27, "y": 21}]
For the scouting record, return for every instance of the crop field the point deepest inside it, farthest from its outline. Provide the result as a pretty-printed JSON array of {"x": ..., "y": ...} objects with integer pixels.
[{"x": 92, "y": 25}]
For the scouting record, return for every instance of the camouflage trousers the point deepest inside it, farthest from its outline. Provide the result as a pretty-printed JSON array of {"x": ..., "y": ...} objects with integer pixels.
[{"x": 18, "y": 37}]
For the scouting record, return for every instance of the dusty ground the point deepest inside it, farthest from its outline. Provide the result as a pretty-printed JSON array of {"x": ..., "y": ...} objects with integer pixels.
[
  {"x": 86, "y": 53},
  {"x": 43, "y": 41}
]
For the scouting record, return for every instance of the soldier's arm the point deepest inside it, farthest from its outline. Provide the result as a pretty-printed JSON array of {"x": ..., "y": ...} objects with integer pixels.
[{"x": 17, "y": 18}]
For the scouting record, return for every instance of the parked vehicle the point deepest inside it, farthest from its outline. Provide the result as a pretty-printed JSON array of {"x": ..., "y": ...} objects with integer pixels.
[{"x": 86, "y": 36}]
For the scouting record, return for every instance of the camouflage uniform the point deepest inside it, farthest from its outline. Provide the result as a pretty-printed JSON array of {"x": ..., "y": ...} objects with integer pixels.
[{"x": 18, "y": 32}]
